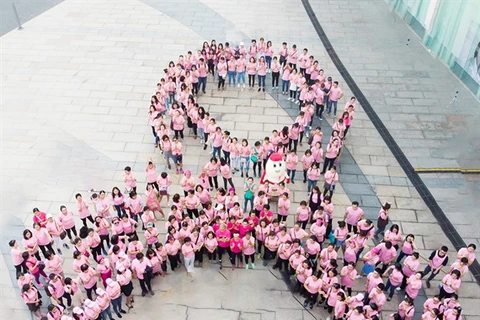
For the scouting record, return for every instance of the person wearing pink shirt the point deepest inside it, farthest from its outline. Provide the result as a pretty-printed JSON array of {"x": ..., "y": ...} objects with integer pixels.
[
  {"x": 275, "y": 68},
  {"x": 202, "y": 74},
  {"x": 192, "y": 202},
  {"x": 88, "y": 277},
  {"x": 248, "y": 250},
  {"x": 66, "y": 219},
  {"x": 30, "y": 243},
  {"x": 395, "y": 279},
  {"x": 188, "y": 251},
  {"x": 54, "y": 264},
  {"x": 453, "y": 314},
  {"x": 292, "y": 160},
  {"x": 352, "y": 215},
  {"x": 113, "y": 290},
  {"x": 347, "y": 277},
  {"x": 340, "y": 235},
  {"x": 313, "y": 174},
  {"x": 143, "y": 270},
  {"x": 461, "y": 266},
  {"x": 303, "y": 214},
  {"x": 40, "y": 217},
  {"x": 283, "y": 207},
  {"x": 17, "y": 258},
  {"x": 32, "y": 299},
  {"x": 284, "y": 252},
  {"x": 333, "y": 150},
  {"x": 272, "y": 244},
  {"x": 231, "y": 68},
  {"x": 92, "y": 309},
  {"x": 293, "y": 136},
  {"x": 307, "y": 161},
  {"x": 240, "y": 69},
  {"x": 437, "y": 260},
  {"x": 222, "y": 73},
  {"x": 262, "y": 73},
  {"x": 468, "y": 252},
  {"x": 450, "y": 284},
  {"x": 57, "y": 291},
  {"x": 414, "y": 284},
  {"x": 187, "y": 182},
  {"x": 118, "y": 201},
  {"x": 356, "y": 314},
  {"x": 57, "y": 233},
  {"x": 82, "y": 208},
  {"x": 312, "y": 285},
  {"x": 44, "y": 240},
  {"x": 223, "y": 236},
  {"x": 35, "y": 267},
  {"x": 334, "y": 95},
  {"x": 268, "y": 49},
  {"x": 318, "y": 229}
]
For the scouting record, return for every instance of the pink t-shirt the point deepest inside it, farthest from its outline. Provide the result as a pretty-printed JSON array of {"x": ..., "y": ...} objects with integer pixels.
[
  {"x": 410, "y": 266},
  {"x": 139, "y": 267},
  {"x": 248, "y": 246},
  {"x": 353, "y": 215},
  {"x": 88, "y": 278},
  {"x": 347, "y": 276},
  {"x": 67, "y": 220},
  {"x": 303, "y": 213},
  {"x": 188, "y": 251},
  {"x": 313, "y": 286}
]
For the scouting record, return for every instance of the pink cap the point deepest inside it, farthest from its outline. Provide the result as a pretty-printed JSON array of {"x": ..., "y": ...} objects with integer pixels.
[
  {"x": 276, "y": 157},
  {"x": 188, "y": 172}
]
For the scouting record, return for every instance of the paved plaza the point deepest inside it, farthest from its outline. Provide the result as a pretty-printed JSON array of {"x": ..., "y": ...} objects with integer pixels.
[{"x": 76, "y": 83}]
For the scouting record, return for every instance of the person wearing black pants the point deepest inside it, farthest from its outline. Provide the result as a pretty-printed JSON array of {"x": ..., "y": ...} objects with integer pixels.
[
  {"x": 251, "y": 80},
  {"x": 213, "y": 181},
  {"x": 84, "y": 221},
  {"x": 86, "y": 273},
  {"x": 319, "y": 110},
  {"x": 275, "y": 78},
  {"x": 281, "y": 262},
  {"x": 312, "y": 297},
  {"x": 332, "y": 148},
  {"x": 71, "y": 231},
  {"x": 51, "y": 288}
]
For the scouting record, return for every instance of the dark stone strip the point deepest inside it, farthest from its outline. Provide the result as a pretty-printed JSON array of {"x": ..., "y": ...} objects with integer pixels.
[{"x": 417, "y": 182}]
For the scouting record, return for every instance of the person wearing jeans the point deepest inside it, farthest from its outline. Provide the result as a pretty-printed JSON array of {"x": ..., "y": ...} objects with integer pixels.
[
  {"x": 231, "y": 68},
  {"x": 394, "y": 280},
  {"x": 275, "y": 67},
  {"x": 334, "y": 95},
  {"x": 262, "y": 73},
  {"x": 114, "y": 292}
]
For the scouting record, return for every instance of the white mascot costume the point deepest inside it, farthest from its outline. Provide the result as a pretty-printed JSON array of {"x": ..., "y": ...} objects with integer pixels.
[{"x": 275, "y": 170}]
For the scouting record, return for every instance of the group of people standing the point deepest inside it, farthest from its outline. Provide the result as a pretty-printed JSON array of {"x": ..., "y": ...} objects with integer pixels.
[{"x": 120, "y": 239}]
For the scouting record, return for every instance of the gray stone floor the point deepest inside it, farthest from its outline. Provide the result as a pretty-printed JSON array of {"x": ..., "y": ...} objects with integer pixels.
[{"x": 89, "y": 68}]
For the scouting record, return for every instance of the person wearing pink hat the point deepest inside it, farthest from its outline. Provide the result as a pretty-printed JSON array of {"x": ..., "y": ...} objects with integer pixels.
[
  {"x": 124, "y": 278},
  {"x": 114, "y": 292},
  {"x": 104, "y": 269},
  {"x": 92, "y": 309},
  {"x": 103, "y": 301},
  {"x": 78, "y": 314}
]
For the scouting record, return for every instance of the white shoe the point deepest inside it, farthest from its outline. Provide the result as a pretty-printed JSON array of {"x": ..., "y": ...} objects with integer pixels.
[
  {"x": 238, "y": 86},
  {"x": 244, "y": 85},
  {"x": 289, "y": 99},
  {"x": 328, "y": 318},
  {"x": 358, "y": 277},
  {"x": 398, "y": 289},
  {"x": 297, "y": 102}
]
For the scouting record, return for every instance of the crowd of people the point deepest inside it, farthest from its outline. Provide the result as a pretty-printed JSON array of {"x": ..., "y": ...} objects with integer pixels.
[{"x": 119, "y": 238}]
